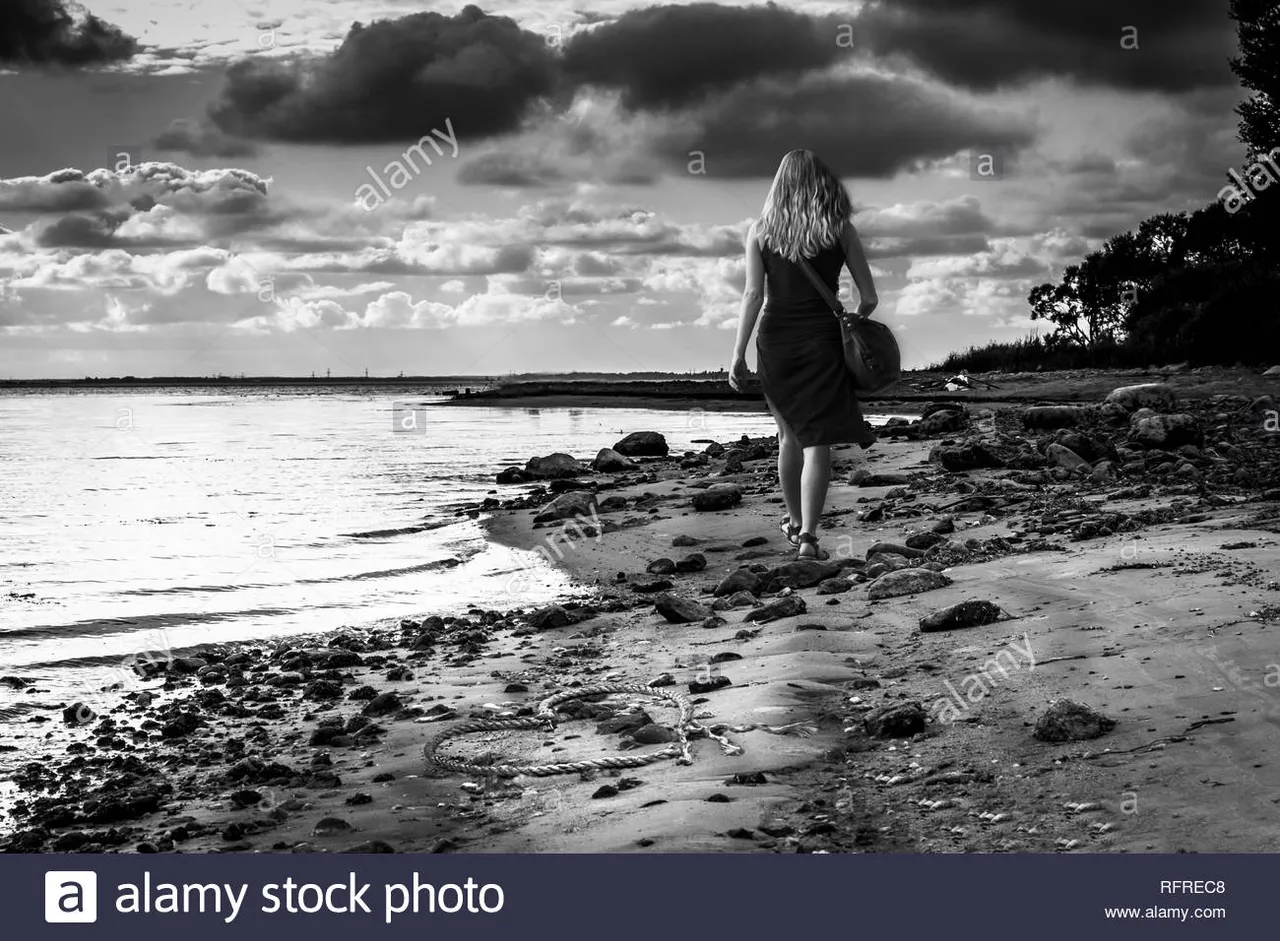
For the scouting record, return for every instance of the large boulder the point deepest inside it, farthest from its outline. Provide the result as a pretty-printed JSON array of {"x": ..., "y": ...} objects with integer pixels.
[
  {"x": 1063, "y": 456},
  {"x": 642, "y": 444},
  {"x": 554, "y": 466},
  {"x": 1153, "y": 395},
  {"x": 1151, "y": 430},
  {"x": 610, "y": 461},
  {"x": 718, "y": 497},
  {"x": 1088, "y": 448},
  {"x": 1274, "y": 372},
  {"x": 575, "y": 503}
]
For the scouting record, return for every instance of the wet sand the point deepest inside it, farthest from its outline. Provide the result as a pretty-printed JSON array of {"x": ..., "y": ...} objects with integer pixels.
[{"x": 1149, "y": 594}]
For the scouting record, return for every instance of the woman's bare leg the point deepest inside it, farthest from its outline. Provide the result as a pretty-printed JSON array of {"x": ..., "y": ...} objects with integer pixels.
[
  {"x": 790, "y": 466},
  {"x": 814, "y": 480}
]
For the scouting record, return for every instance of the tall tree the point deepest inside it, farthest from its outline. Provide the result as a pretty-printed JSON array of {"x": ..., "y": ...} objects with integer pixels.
[{"x": 1258, "y": 68}]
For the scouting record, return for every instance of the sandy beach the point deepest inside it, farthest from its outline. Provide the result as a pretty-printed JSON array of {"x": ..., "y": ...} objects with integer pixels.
[{"x": 1122, "y": 560}]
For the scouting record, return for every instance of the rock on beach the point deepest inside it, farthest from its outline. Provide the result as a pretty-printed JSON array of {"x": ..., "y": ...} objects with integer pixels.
[
  {"x": 642, "y": 444},
  {"x": 1066, "y": 720},
  {"x": 972, "y": 613},
  {"x": 718, "y": 497},
  {"x": 554, "y": 467},
  {"x": 1153, "y": 395},
  {"x": 677, "y": 610},
  {"x": 575, "y": 503},
  {"x": 610, "y": 461},
  {"x": 906, "y": 582},
  {"x": 1152, "y": 430},
  {"x": 1047, "y": 417}
]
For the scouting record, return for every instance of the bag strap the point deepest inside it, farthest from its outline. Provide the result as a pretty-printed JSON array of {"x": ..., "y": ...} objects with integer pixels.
[{"x": 833, "y": 302}]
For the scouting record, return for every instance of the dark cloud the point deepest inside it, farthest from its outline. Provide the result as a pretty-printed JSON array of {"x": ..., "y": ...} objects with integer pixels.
[
  {"x": 501, "y": 168},
  {"x": 395, "y": 80},
  {"x": 862, "y": 125},
  {"x": 671, "y": 55},
  {"x": 51, "y": 194},
  {"x": 80, "y": 230},
  {"x": 45, "y": 32},
  {"x": 202, "y": 140},
  {"x": 985, "y": 44}
]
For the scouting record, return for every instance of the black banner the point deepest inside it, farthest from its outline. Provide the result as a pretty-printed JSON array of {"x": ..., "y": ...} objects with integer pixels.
[{"x": 636, "y": 896}]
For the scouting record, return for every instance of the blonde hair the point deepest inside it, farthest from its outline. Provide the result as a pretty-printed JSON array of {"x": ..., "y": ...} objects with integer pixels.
[{"x": 806, "y": 209}]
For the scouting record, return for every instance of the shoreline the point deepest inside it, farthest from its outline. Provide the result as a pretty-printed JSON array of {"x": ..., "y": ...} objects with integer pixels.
[
  {"x": 253, "y": 747},
  {"x": 917, "y": 387}
]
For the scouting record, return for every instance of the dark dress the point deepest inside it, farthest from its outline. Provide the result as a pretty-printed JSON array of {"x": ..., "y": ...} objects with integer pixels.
[{"x": 800, "y": 354}]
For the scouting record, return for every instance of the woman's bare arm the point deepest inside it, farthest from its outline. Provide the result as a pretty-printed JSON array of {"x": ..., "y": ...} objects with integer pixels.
[
  {"x": 752, "y": 294},
  {"x": 856, "y": 259}
]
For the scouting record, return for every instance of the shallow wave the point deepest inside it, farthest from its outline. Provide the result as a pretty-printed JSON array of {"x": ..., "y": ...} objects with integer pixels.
[
  {"x": 190, "y": 590},
  {"x": 402, "y": 531},
  {"x": 141, "y": 623},
  {"x": 384, "y": 573}
]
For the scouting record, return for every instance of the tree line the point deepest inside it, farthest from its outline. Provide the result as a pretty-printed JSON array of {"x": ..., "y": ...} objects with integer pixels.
[{"x": 1200, "y": 287}]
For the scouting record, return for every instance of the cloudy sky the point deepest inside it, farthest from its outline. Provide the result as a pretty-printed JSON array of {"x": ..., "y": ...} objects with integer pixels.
[{"x": 191, "y": 187}]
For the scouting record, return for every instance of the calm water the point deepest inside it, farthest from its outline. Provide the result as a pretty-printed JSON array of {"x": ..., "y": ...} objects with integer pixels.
[
  {"x": 139, "y": 524},
  {"x": 136, "y": 521}
]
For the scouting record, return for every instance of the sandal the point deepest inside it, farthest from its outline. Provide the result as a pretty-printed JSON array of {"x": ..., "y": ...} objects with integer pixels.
[
  {"x": 790, "y": 530},
  {"x": 809, "y": 539}
]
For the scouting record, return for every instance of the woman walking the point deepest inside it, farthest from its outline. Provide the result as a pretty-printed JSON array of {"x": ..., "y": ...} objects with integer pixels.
[{"x": 799, "y": 351}]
